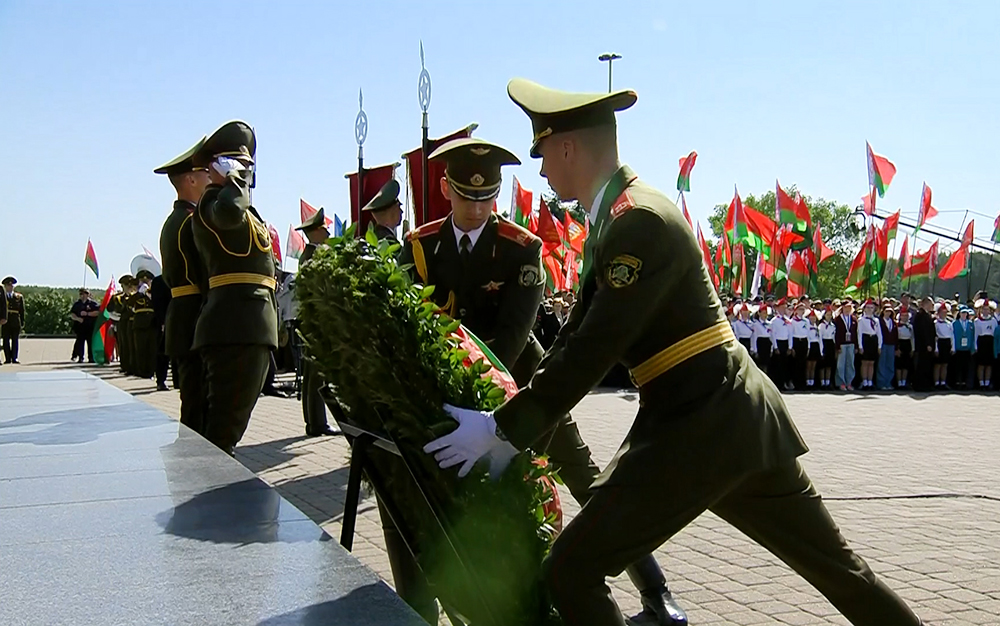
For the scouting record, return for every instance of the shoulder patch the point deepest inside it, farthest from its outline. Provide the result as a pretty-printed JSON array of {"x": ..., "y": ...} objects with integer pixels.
[
  {"x": 622, "y": 204},
  {"x": 430, "y": 228},
  {"x": 518, "y": 234},
  {"x": 623, "y": 270}
]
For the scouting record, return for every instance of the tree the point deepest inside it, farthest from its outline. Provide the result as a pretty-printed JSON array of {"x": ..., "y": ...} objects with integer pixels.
[{"x": 838, "y": 233}]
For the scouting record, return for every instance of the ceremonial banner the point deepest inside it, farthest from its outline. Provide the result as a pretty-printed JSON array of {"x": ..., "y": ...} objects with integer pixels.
[
  {"x": 684, "y": 178},
  {"x": 296, "y": 243},
  {"x": 439, "y": 205},
  {"x": 103, "y": 341},
  {"x": 374, "y": 179}
]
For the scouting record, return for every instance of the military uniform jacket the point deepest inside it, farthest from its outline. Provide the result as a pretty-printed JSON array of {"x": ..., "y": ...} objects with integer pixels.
[
  {"x": 183, "y": 273},
  {"x": 141, "y": 307},
  {"x": 239, "y": 280},
  {"x": 497, "y": 295},
  {"x": 713, "y": 415},
  {"x": 14, "y": 307}
]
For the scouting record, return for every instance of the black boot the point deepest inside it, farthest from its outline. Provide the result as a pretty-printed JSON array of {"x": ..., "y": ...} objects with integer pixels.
[{"x": 658, "y": 606}]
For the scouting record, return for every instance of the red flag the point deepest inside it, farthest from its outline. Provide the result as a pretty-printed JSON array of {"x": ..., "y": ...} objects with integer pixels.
[
  {"x": 926, "y": 211},
  {"x": 107, "y": 339},
  {"x": 784, "y": 206},
  {"x": 90, "y": 259},
  {"x": 891, "y": 225},
  {"x": 684, "y": 178},
  {"x": 572, "y": 276},
  {"x": 554, "y": 271},
  {"x": 275, "y": 241},
  {"x": 374, "y": 179},
  {"x": 760, "y": 230},
  {"x": 706, "y": 256},
  {"x": 802, "y": 211},
  {"x": 575, "y": 233},
  {"x": 869, "y": 204},
  {"x": 687, "y": 216},
  {"x": 439, "y": 205},
  {"x": 822, "y": 251},
  {"x": 968, "y": 236},
  {"x": 904, "y": 257},
  {"x": 880, "y": 172},
  {"x": 520, "y": 204},
  {"x": 923, "y": 263},
  {"x": 549, "y": 230},
  {"x": 306, "y": 211},
  {"x": 956, "y": 265},
  {"x": 296, "y": 243}
]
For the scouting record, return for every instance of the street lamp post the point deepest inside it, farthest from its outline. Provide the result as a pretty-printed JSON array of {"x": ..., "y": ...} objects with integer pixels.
[{"x": 610, "y": 57}]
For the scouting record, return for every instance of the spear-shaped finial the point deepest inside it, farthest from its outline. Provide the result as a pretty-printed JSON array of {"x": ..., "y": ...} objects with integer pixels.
[{"x": 361, "y": 122}]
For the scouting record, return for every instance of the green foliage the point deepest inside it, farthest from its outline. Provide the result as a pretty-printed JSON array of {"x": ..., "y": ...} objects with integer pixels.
[
  {"x": 391, "y": 363},
  {"x": 46, "y": 312},
  {"x": 836, "y": 225}
]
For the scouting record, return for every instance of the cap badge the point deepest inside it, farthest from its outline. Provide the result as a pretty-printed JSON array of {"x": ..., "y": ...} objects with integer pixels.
[
  {"x": 477, "y": 180},
  {"x": 479, "y": 151}
]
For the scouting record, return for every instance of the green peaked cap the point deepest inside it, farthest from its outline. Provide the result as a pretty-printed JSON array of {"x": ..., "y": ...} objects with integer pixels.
[{"x": 553, "y": 111}]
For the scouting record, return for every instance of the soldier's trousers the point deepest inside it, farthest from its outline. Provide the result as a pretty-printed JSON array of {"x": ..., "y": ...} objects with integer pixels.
[
  {"x": 123, "y": 336},
  {"x": 234, "y": 378},
  {"x": 190, "y": 380},
  {"x": 11, "y": 332},
  {"x": 779, "y": 509},
  {"x": 144, "y": 352},
  {"x": 313, "y": 406}
]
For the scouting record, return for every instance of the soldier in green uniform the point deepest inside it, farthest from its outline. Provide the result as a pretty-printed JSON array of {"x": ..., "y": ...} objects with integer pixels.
[
  {"x": 238, "y": 324},
  {"x": 124, "y": 328},
  {"x": 313, "y": 406},
  {"x": 3, "y": 316},
  {"x": 182, "y": 273},
  {"x": 143, "y": 327},
  {"x": 11, "y": 331},
  {"x": 712, "y": 432},
  {"x": 386, "y": 211},
  {"x": 487, "y": 272}
]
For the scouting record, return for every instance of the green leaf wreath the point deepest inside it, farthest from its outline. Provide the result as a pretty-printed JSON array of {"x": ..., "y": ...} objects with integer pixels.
[{"x": 391, "y": 363}]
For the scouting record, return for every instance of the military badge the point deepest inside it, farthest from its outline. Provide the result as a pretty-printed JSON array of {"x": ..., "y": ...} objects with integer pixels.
[
  {"x": 477, "y": 180},
  {"x": 623, "y": 270},
  {"x": 493, "y": 286},
  {"x": 528, "y": 276}
]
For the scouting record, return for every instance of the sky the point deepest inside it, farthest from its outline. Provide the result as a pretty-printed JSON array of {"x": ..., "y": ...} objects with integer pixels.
[{"x": 94, "y": 95}]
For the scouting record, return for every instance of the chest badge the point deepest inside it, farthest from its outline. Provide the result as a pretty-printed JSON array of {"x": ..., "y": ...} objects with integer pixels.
[{"x": 493, "y": 286}]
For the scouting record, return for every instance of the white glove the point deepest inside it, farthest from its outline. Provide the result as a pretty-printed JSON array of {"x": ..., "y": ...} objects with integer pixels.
[
  {"x": 225, "y": 165},
  {"x": 500, "y": 457},
  {"x": 143, "y": 287},
  {"x": 474, "y": 439}
]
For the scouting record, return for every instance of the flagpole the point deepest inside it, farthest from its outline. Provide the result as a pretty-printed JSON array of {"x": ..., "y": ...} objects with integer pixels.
[
  {"x": 988, "y": 267},
  {"x": 424, "y": 96},
  {"x": 360, "y": 134}
]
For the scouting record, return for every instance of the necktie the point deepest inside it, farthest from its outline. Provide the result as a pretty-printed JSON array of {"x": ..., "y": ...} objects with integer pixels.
[{"x": 465, "y": 248}]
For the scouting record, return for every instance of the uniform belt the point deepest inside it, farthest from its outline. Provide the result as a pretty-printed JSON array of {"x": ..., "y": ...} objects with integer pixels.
[
  {"x": 703, "y": 340},
  {"x": 186, "y": 290},
  {"x": 142, "y": 311},
  {"x": 242, "y": 278}
]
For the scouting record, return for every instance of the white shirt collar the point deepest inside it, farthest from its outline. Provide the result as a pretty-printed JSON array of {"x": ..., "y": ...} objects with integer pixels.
[
  {"x": 596, "y": 205},
  {"x": 473, "y": 234}
]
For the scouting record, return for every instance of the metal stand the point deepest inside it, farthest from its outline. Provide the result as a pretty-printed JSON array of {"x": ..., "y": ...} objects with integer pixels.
[{"x": 362, "y": 441}]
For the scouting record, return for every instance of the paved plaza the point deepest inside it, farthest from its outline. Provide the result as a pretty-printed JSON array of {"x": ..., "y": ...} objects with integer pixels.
[{"x": 912, "y": 481}]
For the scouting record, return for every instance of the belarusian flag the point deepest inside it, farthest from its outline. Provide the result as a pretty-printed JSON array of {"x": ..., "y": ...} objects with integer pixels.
[
  {"x": 687, "y": 216},
  {"x": 879, "y": 254},
  {"x": 706, "y": 256},
  {"x": 788, "y": 210},
  {"x": 572, "y": 278},
  {"x": 102, "y": 342},
  {"x": 996, "y": 230},
  {"x": 90, "y": 259},
  {"x": 822, "y": 251},
  {"x": 739, "y": 277},
  {"x": 520, "y": 204},
  {"x": 555, "y": 275},
  {"x": 904, "y": 257},
  {"x": 760, "y": 230},
  {"x": 296, "y": 243},
  {"x": 478, "y": 350},
  {"x": 926, "y": 211},
  {"x": 684, "y": 178},
  {"x": 736, "y": 223},
  {"x": 891, "y": 225},
  {"x": 858, "y": 275},
  {"x": 869, "y": 204},
  {"x": 923, "y": 263},
  {"x": 956, "y": 265},
  {"x": 306, "y": 211},
  {"x": 968, "y": 236},
  {"x": 799, "y": 275},
  {"x": 880, "y": 171}
]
